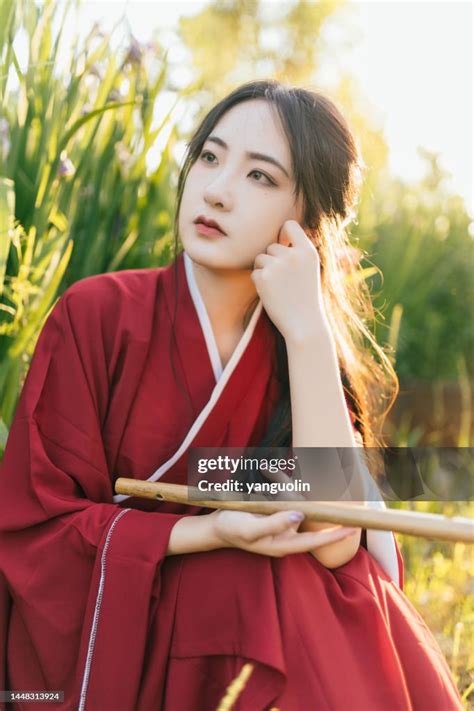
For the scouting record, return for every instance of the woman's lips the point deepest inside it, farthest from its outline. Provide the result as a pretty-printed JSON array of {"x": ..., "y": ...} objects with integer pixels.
[{"x": 208, "y": 231}]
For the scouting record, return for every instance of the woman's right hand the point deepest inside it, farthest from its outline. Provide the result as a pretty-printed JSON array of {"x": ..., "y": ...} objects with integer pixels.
[{"x": 273, "y": 534}]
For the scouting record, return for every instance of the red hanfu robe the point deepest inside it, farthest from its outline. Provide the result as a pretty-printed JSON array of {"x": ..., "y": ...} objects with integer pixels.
[{"x": 89, "y": 602}]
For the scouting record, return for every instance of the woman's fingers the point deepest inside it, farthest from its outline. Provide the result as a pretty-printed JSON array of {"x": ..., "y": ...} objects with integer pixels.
[
  {"x": 271, "y": 525},
  {"x": 274, "y": 534},
  {"x": 303, "y": 542},
  {"x": 278, "y": 535}
]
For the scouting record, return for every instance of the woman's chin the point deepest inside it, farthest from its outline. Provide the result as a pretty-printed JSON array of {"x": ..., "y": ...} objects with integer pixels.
[
  {"x": 215, "y": 255},
  {"x": 207, "y": 255}
]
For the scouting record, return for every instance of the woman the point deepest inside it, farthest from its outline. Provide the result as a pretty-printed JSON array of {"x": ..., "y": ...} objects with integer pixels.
[{"x": 123, "y": 603}]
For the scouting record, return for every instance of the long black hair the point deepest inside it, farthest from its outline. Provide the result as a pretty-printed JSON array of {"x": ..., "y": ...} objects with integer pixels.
[{"x": 328, "y": 170}]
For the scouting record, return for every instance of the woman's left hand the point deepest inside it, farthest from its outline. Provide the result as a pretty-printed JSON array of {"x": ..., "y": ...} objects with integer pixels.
[{"x": 287, "y": 279}]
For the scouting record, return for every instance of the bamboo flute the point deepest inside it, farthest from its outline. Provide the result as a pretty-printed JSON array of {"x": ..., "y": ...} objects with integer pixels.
[{"x": 426, "y": 525}]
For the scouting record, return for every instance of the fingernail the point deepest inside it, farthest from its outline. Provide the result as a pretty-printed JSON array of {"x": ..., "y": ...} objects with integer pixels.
[{"x": 296, "y": 516}]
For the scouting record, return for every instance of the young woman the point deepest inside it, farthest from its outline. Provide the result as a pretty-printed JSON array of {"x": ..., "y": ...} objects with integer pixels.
[{"x": 247, "y": 338}]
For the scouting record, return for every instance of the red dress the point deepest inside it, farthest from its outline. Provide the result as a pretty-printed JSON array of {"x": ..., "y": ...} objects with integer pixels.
[{"x": 89, "y": 602}]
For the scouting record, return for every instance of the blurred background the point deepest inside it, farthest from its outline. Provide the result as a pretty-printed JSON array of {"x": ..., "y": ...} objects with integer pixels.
[{"x": 97, "y": 100}]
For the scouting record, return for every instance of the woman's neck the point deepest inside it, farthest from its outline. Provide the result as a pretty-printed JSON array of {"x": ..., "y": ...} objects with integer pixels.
[{"x": 226, "y": 294}]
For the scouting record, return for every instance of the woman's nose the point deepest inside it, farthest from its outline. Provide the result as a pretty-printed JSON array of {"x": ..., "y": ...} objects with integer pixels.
[{"x": 218, "y": 193}]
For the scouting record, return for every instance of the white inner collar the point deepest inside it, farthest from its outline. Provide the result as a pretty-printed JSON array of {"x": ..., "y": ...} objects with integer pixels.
[{"x": 205, "y": 322}]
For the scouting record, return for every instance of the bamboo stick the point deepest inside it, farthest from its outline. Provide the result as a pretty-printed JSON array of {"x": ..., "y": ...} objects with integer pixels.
[{"x": 426, "y": 525}]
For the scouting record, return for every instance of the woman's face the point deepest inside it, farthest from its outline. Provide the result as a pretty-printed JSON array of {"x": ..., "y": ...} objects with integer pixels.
[{"x": 242, "y": 180}]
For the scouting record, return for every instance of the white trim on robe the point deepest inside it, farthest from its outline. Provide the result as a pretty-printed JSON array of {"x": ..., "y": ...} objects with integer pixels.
[
  {"x": 203, "y": 318},
  {"x": 98, "y": 605},
  {"x": 380, "y": 544}
]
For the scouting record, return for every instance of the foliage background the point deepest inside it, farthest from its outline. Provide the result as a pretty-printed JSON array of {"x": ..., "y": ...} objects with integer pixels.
[{"x": 84, "y": 189}]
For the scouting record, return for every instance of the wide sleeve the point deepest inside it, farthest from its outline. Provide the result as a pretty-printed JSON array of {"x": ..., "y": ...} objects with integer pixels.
[{"x": 78, "y": 572}]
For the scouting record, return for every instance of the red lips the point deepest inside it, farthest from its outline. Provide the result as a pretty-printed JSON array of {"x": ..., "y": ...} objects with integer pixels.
[{"x": 209, "y": 223}]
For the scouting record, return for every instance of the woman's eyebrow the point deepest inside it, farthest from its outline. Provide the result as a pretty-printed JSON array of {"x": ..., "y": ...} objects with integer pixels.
[{"x": 251, "y": 154}]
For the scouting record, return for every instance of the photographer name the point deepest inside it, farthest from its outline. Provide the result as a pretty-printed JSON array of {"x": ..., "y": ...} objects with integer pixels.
[{"x": 272, "y": 487}]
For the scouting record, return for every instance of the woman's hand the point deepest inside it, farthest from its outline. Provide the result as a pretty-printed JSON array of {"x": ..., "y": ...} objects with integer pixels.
[
  {"x": 274, "y": 534},
  {"x": 287, "y": 279},
  {"x": 307, "y": 525}
]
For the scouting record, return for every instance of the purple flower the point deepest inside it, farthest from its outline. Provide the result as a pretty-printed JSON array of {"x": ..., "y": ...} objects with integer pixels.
[{"x": 66, "y": 168}]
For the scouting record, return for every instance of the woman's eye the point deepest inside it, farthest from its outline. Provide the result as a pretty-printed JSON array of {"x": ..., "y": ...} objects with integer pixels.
[
  {"x": 207, "y": 153},
  {"x": 204, "y": 155},
  {"x": 258, "y": 172}
]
